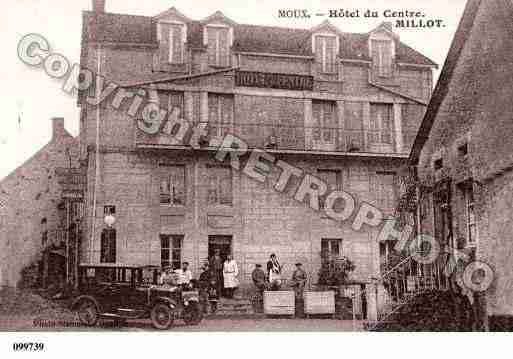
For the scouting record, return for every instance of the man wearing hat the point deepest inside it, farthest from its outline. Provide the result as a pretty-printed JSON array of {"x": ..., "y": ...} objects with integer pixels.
[
  {"x": 299, "y": 280},
  {"x": 258, "y": 276}
]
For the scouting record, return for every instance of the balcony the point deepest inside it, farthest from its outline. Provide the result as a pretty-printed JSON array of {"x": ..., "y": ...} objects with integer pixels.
[{"x": 298, "y": 139}]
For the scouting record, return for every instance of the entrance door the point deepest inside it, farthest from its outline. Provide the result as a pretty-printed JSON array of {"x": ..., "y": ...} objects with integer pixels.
[{"x": 221, "y": 243}]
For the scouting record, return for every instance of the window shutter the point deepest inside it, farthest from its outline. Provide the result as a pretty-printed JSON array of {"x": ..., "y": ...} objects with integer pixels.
[
  {"x": 177, "y": 44},
  {"x": 330, "y": 54},
  {"x": 211, "y": 44},
  {"x": 223, "y": 47}
]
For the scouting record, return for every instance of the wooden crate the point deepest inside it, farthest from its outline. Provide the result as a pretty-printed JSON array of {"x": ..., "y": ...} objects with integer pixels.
[
  {"x": 319, "y": 302},
  {"x": 279, "y": 303}
]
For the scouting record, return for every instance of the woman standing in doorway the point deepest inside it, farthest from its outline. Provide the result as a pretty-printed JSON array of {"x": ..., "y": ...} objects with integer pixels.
[{"x": 230, "y": 273}]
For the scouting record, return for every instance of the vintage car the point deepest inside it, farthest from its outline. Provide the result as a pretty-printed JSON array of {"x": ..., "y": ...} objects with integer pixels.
[{"x": 121, "y": 293}]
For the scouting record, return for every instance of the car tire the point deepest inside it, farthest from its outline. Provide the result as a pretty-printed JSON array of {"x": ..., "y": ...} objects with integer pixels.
[
  {"x": 161, "y": 316},
  {"x": 192, "y": 314},
  {"x": 88, "y": 313}
]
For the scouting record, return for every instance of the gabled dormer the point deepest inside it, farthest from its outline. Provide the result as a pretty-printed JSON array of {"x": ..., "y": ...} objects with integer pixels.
[
  {"x": 326, "y": 47},
  {"x": 218, "y": 39},
  {"x": 382, "y": 50},
  {"x": 172, "y": 37}
]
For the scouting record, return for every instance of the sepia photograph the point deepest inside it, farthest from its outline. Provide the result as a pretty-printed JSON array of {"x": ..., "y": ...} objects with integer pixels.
[{"x": 297, "y": 168}]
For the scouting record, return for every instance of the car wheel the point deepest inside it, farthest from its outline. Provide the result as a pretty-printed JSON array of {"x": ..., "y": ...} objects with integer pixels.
[
  {"x": 192, "y": 314},
  {"x": 161, "y": 316},
  {"x": 88, "y": 312}
]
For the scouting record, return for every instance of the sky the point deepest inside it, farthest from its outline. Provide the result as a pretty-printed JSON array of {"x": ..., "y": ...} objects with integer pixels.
[{"x": 30, "y": 98}]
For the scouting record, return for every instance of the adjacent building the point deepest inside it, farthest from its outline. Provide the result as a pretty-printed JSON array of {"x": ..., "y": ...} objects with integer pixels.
[
  {"x": 33, "y": 213},
  {"x": 342, "y": 106},
  {"x": 464, "y": 152}
]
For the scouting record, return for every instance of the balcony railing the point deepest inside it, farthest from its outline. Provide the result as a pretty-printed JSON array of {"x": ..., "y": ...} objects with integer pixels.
[{"x": 301, "y": 138}]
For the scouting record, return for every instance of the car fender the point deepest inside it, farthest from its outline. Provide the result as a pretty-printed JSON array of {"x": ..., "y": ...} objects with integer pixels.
[
  {"x": 77, "y": 300},
  {"x": 168, "y": 301}
]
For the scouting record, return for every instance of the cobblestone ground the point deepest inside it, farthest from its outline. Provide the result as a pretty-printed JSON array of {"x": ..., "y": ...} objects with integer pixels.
[{"x": 25, "y": 311}]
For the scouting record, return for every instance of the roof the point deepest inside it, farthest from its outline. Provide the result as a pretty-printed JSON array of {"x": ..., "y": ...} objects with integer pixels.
[
  {"x": 444, "y": 80},
  {"x": 132, "y": 29}
]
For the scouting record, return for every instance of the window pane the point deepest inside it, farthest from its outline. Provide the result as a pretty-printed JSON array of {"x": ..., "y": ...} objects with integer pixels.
[{"x": 335, "y": 249}]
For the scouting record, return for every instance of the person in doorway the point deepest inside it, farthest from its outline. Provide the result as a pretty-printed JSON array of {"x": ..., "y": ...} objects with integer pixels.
[
  {"x": 230, "y": 273},
  {"x": 216, "y": 266},
  {"x": 299, "y": 280},
  {"x": 274, "y": 272}
]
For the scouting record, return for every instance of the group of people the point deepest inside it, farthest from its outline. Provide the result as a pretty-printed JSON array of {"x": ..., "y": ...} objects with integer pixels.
[
  {"x": 219, "y": 277},
  {"x": 272, "y": 280}
]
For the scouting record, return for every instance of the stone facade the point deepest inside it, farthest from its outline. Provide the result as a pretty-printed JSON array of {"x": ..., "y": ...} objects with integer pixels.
[
  {"x": 470, "y": 145},
  {"x": 126, "y": 168},
  {"x": 30, "y": 199}
]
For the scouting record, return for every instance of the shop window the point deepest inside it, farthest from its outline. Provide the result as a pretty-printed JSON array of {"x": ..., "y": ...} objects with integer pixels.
[
  {"x": 333, "y": 179},
  {"x": 172, "y": 185},
  {"x": 326, "y": 53},
  {"x": 108, "y": 246},
  {"x": 219, "y": 190},
  {"x": 218, "y": 46},
  {"x": 381, "y": 123},
  {"x": 171, "y": 250},
  {"x": 220, "y": 115},
  {"x": 325, "y": 120},
  {"x": 382, "y": 57}
]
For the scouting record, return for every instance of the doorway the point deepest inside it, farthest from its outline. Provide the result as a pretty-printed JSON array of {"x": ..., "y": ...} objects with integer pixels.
[{"x": 221, "y": 243}]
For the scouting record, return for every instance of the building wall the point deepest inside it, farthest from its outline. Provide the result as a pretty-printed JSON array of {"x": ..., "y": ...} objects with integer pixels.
[
  {"x": 32, "y": 193},
  {"x": 478, "y": 111},
  {"x": 261, "y": 220}
]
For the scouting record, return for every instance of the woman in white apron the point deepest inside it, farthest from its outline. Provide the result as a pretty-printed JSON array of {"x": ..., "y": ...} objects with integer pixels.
[
  {"x": 274, "y": 272},
  {"x": 230, "y": 273}
]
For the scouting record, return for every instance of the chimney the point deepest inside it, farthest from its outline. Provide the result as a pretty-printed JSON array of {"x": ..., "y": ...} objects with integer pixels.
[
  {"x": 57, "y": 127},
  {"x": 99, "y": 6}
]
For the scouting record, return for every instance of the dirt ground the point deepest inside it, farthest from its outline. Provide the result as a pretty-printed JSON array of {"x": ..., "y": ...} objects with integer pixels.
[{"x": 25, "y": 311}]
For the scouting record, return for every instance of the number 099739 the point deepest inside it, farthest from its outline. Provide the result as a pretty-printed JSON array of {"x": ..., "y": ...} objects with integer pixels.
[{"x": 28, "y": 347}]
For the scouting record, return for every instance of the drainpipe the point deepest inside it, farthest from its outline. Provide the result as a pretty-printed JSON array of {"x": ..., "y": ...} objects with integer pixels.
[{"x": 97, "y": 158}]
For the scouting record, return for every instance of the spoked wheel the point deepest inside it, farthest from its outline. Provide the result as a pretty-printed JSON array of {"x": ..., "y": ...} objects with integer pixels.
[
  {"x": 161, "y": 316},
  {"x": 88, "y": 313},
  {"x": 192, "y": 314}
]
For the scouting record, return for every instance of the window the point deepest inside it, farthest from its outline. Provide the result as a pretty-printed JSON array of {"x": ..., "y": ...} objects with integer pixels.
[
  {"x": 109, "y": 210},
  {"x": 381, "y": 123},
  {"x": 325, "y": 120},
  {"x": 108, "y": 246},
  {"x": 176, "y": 44},
  {"x": 386, "y": 197},
  {"x": 470, "y": 220},
  {"x": 331, "y": 248},
  {"x": 438, "y": 164},
  {"x": 172, "y": 40},
  {"x": 219, "y": 190},
  {"x": 44, "y": 232},
  {"x": 220, "y": 116},
  {"x": 218, "y": 46},
  {"x": 333, "y": 178},
  {"x": 382, "y": 57},
  {"x": 172, "y": 185},
  {"x": 463, "y": 149},
  {"x": 171, "y": 250},
  {"x": 325, "y": 53}
]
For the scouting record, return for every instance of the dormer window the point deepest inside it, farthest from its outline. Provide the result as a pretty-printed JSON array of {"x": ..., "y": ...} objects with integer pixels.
[
  {"x": 382, "y": 57},
  {"x": 326, "y": 49},
  {"x": 172, "y": 38},
  {"x": 218, "y": 41}
]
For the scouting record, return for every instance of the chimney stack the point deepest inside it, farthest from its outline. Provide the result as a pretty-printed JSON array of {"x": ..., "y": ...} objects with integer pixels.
[
  {"x": 99, "y": 6},
  {"x": 57, "y": 127}
]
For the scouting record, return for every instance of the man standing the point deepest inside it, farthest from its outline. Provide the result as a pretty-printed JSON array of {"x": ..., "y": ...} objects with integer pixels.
[
  {"x": 274, "y": 272},
  {"x": 258, "y": 277},
  {"x": 184, "y": 274},
  {"x": 299, "y": 280},
  {"x": 230, "y": 273},
  {"x": 216, "y": 266}
]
